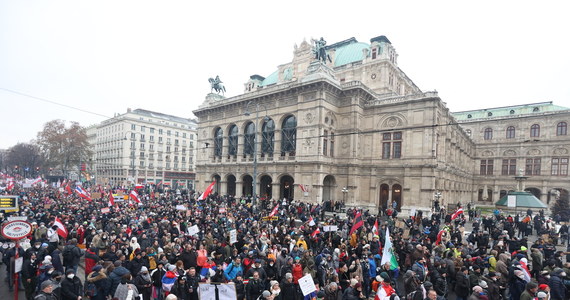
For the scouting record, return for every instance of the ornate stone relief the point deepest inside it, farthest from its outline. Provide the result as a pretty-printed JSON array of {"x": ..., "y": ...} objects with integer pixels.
[
  {"x": 309, "y": 118},
  {"x": 510, "y": 153},
  {"x": 560, "y": 151}
]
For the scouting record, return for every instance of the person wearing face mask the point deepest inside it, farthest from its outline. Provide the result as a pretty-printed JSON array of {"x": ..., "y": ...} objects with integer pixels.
[
  {"x": 71, "y": 286},
  {"x": 56, "y": 278},
  {"x": 270, "y": 270},
  {"x": 143, "y": 282}
]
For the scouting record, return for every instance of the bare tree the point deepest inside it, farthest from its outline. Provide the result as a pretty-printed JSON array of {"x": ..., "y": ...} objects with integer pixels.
[
  {"x": 24, "y": 159},
  {"x": 63, "y": 148}
]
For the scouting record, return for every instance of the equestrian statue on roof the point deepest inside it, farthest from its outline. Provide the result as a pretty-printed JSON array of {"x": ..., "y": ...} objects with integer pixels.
[{"x": 217, "y": 85}]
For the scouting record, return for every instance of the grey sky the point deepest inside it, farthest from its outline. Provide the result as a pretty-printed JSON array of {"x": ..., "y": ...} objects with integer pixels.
[{"x": 106, "y": 56}]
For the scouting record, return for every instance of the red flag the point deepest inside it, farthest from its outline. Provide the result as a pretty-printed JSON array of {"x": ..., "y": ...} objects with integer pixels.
[
  {"x": 133, "y": 195},
  {"x": 10, "y": 185},
  {"x": 314, "y": 234},
  {"x": 274, "y": 211},
  {"x": 61, "y": 230},
  {"x": 358, "y": 222},
  {"x": 439, "y": 234},
  {"x": 208, "y": 191},
  {"x": 139, "y": 186},
  {"x": 303, "y": 188},
  {"x": 68, "y": 189},
  {"x": 457, "y": 213},
  {"x": 111, "y": 199}
]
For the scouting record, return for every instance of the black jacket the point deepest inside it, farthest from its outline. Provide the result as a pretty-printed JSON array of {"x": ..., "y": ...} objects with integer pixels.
[
  {"x": 254, "y": 289},
  {"x": 71, "y": 255},
  {"x": 71, "y": 288},
  {"x": 462, "y": 286}
]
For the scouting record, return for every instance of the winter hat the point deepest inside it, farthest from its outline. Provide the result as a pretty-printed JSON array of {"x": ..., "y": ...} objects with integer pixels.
[
  {"x": 541, "y": 295},
  {"x": 266, "y": 294},
  {"x": 353, "y": 282},
  {"x": 144, "y": 269},
  {"x": 272, "y": 283},
  {"x": 477, "y": 289},
  {"x": 543, "y": 287},
  {"x": 531, "y": 285},
  {"x": 97, "y": 268},
  {"x": 385, "y": 276},
  {"x": 483, "y": 284},
  {"x": 379, "y": 278},
  {"x": 288, "y": 275},
  {"x": 171, "y": 268},
  {"x": 45, "y": 284}
]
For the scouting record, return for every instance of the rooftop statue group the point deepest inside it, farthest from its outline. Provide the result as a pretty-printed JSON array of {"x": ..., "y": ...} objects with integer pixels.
[{"x": 320, "y": 51}]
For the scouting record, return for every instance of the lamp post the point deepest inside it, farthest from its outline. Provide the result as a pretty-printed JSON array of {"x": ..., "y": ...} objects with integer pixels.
[
  {"x": 437, "y": 196},
  {"x": 254, "y": 181},
  {"x": 344, "y": 194}
]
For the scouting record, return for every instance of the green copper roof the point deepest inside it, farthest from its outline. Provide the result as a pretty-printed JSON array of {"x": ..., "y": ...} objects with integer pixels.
[
  {"x": 349, "y": 53},
  {"x": 271, "y": 79},
  {"x": 524, "y": 199},
  {"x": 516, "y": 110}
]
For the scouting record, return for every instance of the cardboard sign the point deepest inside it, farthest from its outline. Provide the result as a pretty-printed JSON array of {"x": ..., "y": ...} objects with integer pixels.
[
  {"x": 181, "y": 207},
  {"x": 274, "y": 218},
  {"x": 233, "y": 237},
  {"x": 95, "y": 195},
  {"x": 222, "y": 210},
  {"x": 193, "y": 230},
  {"x": 327, "y": 228},
  {"x": 105, "y": 210},
  {"x": 307, "y": 285}
]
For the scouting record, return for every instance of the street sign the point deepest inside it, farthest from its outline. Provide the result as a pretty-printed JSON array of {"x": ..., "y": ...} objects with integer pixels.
[
  {"x": 9, "y": 202},
  {"x": 16, "y": 230}
]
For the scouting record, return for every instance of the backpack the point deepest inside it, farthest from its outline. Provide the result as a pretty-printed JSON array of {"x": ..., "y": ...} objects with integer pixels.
[
  {"x": 90, "y": 289},
  {"x": 67, "y": 255}
]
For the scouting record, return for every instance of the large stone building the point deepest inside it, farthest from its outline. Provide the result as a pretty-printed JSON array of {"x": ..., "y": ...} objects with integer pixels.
[
  {"x": 142, "y": 146},
  {"x": 354, "y": 129}
]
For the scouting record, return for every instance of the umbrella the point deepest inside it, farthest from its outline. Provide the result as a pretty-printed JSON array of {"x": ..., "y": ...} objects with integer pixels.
[{"x": 523, "y": 199}]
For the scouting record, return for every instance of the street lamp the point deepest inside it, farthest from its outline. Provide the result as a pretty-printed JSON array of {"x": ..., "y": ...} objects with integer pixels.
[
  {"x": 265, "y": 118},
  {"x": 437, "y": 196},
  {"x": 344, "y": 194}
]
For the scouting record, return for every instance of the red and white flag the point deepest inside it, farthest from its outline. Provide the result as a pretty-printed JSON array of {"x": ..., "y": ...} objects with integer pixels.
[
  {"x": 375, "y": 231},
  {"x": 10, "y": 185},
  {"x": 60, "y": 228},
  {"x": 111, "y": 199},
  {"x": 311, "y": 222},
  {"x": 83, "y": 193},
  {"x": 139, "y": 186},
  {"x": 457, "y": 213},
  {"x": 208, "y": 191},
  {"x": 358, "y": 222},
  {"x": 274, "y": 211},
  {"x": 37, "y": 180},
  {"x": 314, "y": 234},
  {"x": 133, "y": 195},
  {"x": 304, "y": 188}
]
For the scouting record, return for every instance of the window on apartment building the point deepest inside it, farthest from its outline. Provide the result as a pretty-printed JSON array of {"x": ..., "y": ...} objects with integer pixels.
[
  {"x": 151, "y": 130},
  {"x": 159, "y": 131},
  {"x": 143, "y": 128},
  {"x": 486, "y": 167},
  {"x": 511, "y": 132},
  {"x": 133, "y": 135},
  {"x": 488, "y": 134},
  {"x": 535, "y": 130},
  {"x": 167, "y": 148},
  {"x": 168, "y": 133},
  {"x": 133, "y": 127},
  {"x": 160, "y": 139},
  {"x": 532, "y": 166},
  {"x": 561, "y": 128},
  {"x": 151, "y": 147},
  {"x": 142, "y": 146},
  {"x": 184, "y": 135},
  {"x": 151, "y": 138},
  {"x": 176, "y": 133},
  {"x": 509, "y": 167},
  {"x": 142, "y": 137},
  {"x": 391, "y": 145},
  {"x": 559, "y": 166}
]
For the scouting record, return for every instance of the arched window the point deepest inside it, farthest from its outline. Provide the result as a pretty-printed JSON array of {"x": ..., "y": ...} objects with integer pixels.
[
  {"x": 218, "y": 142},
  {"x": 267, "y": 137},
  {"x": 233, "y": 140},
  {"x": 488, "y": 135},
  {"x": 535, "y": 130},
  {"x": 561, "y": 128},
  {"x": 249, "y": 139},
  {"x": 511, "y": 132},
  {"x": 289, "y": 136}
]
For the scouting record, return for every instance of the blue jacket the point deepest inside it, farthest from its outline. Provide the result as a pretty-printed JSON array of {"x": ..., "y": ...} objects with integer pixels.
[
  {"x": 232, "y": 271},
  {"x": 372, "y": 270}
]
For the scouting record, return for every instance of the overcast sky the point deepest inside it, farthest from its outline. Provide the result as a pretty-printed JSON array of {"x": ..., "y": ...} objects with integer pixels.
[{"x": 107, "y": 56}]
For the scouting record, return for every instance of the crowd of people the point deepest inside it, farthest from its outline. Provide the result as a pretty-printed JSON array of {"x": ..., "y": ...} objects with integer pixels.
[{"x": 151, "y": 250}]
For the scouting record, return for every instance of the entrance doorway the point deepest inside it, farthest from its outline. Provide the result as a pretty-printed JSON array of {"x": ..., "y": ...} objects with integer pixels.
[{"x": 287, "y": 190}]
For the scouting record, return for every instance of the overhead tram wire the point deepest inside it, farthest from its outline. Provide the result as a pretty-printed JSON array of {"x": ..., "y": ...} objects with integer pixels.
[{"x": 337, "y": 134}]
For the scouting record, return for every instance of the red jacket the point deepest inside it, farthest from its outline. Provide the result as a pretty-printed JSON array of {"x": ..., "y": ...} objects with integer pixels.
[{"x": 297, "y": 272}]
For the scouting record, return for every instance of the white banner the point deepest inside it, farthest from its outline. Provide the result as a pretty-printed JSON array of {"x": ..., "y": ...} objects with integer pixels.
[
  {"x": 193, "y": 230},
  {"x": 307, "y": 285},
  {"x": 233, "y": 237}
]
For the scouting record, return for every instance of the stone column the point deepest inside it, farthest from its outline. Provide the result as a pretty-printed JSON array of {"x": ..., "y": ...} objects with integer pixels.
[
  {"x": 275, "y": 190},
  {"x": 239, "y": 188},
  {"x": 223, "y": 187}
]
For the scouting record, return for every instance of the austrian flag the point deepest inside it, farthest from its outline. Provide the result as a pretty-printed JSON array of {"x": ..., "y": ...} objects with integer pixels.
[
  {"x": 61, "y": 230},
  {"x": 208, "y": 191},
  {"x": 274, "y": 211},
  {"x": 135, "y": 196},
  {"x": 457, "y": 213}
]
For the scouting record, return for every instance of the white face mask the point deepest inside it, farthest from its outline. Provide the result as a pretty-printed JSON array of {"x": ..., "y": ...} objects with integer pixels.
[{"x": 70, "y": 276}]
